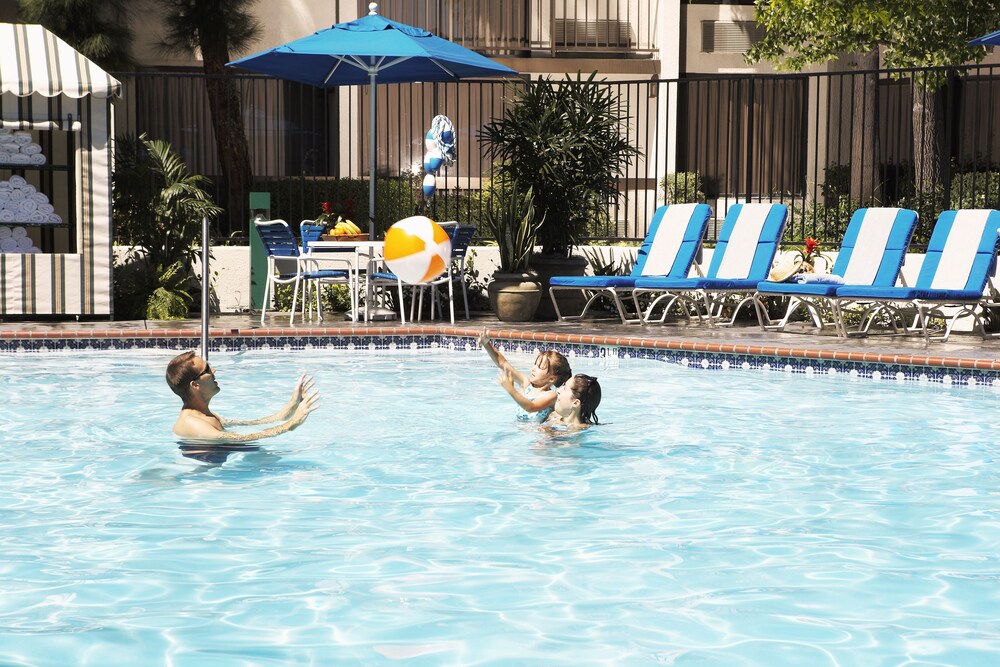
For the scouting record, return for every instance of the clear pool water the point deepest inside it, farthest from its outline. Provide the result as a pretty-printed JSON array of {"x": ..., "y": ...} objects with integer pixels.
[{"x": 719, "y": 518}]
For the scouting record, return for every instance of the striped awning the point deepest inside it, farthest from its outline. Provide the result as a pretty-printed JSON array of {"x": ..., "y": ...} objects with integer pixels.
[{"x": 35, "y": 61}]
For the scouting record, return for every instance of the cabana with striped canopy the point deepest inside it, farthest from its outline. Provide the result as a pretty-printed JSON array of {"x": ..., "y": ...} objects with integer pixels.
[{"x": 64, "y": 101}]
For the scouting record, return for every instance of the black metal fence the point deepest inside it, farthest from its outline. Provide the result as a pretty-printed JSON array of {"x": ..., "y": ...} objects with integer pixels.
[{"x": 824, "y": 144}]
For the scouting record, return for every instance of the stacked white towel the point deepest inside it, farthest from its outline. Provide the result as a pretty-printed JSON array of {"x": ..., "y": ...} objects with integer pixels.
[
  {"x": 18, "y": 148},
  {"x": 21, "y": 202},
  {"x": 16, "y": 240}
]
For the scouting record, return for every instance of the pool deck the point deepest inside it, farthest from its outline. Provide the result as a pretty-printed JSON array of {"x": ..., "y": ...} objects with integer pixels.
[{"x": 963, "y": 350}]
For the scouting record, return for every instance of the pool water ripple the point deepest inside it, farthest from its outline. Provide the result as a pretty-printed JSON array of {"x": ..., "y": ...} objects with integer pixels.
[{"x": 717, "y": 517}]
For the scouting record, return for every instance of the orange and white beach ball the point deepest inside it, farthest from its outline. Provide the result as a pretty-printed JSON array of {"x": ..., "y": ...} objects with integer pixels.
[{"x": 417, "y": 249}]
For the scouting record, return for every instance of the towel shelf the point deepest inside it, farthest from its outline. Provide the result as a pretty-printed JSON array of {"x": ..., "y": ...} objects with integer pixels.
[
  {"x": 33, "y": 224},
  {"x": 11, "y": 166}
]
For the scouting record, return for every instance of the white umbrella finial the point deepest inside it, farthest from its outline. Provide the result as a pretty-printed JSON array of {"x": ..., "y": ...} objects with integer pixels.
[{"x": 372, "y": 8}]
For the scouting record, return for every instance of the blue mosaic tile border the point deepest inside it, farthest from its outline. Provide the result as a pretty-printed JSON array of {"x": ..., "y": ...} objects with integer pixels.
[{"x": 711, "y": 361}]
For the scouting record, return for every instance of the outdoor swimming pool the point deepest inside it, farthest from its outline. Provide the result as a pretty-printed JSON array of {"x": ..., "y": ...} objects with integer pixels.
[{"x": 718, "y": 518}]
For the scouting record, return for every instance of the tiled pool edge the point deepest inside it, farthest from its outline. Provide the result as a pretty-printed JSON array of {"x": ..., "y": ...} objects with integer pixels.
[{"x": 707, "y": 355}]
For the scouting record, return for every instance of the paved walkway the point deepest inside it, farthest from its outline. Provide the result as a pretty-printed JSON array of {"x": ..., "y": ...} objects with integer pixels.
[{"x": 963, "y": 350}]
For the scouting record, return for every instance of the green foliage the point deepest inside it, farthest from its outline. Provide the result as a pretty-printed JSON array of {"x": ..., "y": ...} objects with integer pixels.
[
  {"x": 296, "y": 199},
  {"x": 170, "y": 298},
  {"x": 976, "y": 189},
  {"x": 475, "y": 285},
  {"x": 911, "y": 34},
  {"x": 837, "y": 183},
  {"x": 683, "y": 187},
  {"x": 928, "y": 205},
  {"x": 601, "y": 265},
  {"x": 826, "y": 222},
  {"x": 219, "y": 26},
  {"x": 157, "y": 212},
  {"x": 335, "y": 298},
  {"x": 98, "y": 30},
  {"x": 510, "y": 219},
  {"x": 565, "y": 141}
]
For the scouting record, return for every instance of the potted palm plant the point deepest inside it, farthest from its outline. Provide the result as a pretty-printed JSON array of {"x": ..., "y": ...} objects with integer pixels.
[
  {"x": 565, "y": 140},
  {"x": 509, "y": 217}
]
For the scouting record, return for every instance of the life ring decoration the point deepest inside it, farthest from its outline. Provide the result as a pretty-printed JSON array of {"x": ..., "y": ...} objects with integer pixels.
[{"x": 440, "y": 143}]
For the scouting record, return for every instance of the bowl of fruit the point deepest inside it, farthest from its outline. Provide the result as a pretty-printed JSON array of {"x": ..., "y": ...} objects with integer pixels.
[{"x": 345, "y": 230}]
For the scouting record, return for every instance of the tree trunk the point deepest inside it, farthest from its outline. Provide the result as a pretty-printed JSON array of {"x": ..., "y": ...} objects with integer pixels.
[
  {"x": 866, "y": 183},
  {"x": 927, "y": 135},
  {"x": 230, "y": 139}
]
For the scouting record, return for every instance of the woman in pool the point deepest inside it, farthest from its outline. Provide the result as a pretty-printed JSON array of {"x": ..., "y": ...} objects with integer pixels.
[
  {"x": 537, "y": 394},
  {"x": 576, "y": 404}
]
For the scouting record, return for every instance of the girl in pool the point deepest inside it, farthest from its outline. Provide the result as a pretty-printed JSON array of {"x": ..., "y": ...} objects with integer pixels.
[
  {"x": 576, "y": 404},
  {"x": 537, "y": 394}
]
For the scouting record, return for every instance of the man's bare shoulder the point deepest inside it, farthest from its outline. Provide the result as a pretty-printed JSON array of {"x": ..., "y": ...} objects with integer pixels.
[{"x": 194, "y": 426}]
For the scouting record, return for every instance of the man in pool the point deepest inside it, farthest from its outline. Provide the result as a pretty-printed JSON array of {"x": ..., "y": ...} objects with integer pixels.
[{"x": 191, "y": 378}]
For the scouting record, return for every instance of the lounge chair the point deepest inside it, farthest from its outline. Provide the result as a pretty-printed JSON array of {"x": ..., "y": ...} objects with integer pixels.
[
  {"x": 669, "y": 249},
  {"x": 961, "y": 257},
  {"x": 871, "y": 254},
  {"x": 742, "y": 258}
]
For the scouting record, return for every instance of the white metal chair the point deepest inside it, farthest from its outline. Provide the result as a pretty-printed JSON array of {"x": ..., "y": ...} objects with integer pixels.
[
  {"x": 461, "y": 237},
  {"x": 285, "y": 265}
]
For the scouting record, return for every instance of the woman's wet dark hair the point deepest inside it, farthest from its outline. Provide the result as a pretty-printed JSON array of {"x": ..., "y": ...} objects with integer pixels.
[{"x": 587, "y": 390}]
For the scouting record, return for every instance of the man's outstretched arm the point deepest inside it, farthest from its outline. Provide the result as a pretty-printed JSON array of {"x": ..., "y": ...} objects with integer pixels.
[
  {"x": 302, "y": 387},
  {"x": 194, "y": 430}
]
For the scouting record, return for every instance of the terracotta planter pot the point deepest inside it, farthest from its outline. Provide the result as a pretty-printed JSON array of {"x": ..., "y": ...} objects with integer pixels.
[
  {"x": 546, "y": 267},
  {"x": 514, "y": 297}
]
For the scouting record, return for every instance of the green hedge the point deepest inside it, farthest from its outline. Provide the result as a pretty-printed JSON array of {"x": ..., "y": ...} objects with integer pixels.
[{"x": 297, "y": 199}]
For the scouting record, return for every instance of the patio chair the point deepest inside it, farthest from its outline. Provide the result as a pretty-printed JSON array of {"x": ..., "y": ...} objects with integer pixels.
[
  {"x": 742, "y": 258},
  {"x": 310, "y": 231},
  {"x": 461, "y": 237},
  {"x": 960, "y": 259},
  {"x": 871, "y": 254},
  {"x": 285, "y": 265},
  {"x": 669, "y": 249}
]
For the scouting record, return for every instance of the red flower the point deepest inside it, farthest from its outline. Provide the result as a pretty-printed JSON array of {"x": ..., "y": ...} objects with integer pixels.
[
  {"x": 811, "y": 245},
  {"x": 327, "y": 207}
]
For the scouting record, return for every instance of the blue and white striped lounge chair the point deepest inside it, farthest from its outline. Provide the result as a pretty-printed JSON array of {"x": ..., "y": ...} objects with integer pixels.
[
  {"x": 669, "y": 249},
  {"x": 871, "y": 254},
  {"x": 742, "y": 258},
  {"x": 961, "y": 257}
]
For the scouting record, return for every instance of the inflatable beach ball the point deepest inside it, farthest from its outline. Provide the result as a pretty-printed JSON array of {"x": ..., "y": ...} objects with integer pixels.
[{"x": 417, "y": 249}]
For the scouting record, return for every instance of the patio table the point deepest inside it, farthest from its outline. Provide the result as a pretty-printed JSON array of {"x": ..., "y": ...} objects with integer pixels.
[{"x": 358, "y": 254}]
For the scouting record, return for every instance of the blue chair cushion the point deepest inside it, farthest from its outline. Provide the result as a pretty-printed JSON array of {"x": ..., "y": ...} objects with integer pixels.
[
  {"x": 326, "y": 273},
  {"x": 696, "y": 283},
  {"x": 793, "y": 289},
  {"x": 383, "y": 276},
  {"x": 592, "y": 282},
  {"x": 907, "y": 293}
]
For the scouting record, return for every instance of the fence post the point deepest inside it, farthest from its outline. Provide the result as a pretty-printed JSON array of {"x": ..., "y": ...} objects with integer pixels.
[{"x": 749, "y": 139}]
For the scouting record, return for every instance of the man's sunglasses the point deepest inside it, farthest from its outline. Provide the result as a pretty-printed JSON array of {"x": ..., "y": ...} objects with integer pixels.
[{"x": 208, "y": 371}]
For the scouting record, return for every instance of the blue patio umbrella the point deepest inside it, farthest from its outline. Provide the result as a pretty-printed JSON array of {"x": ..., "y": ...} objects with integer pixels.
[
  {"x": 371, "y": 50},
  {"x": 992, "y": 39}
]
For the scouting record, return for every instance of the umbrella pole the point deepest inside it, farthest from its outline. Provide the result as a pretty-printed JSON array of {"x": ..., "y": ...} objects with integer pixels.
[
  {"x": 204, "y": 287},
  {"x": 371, "y": 159}
]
